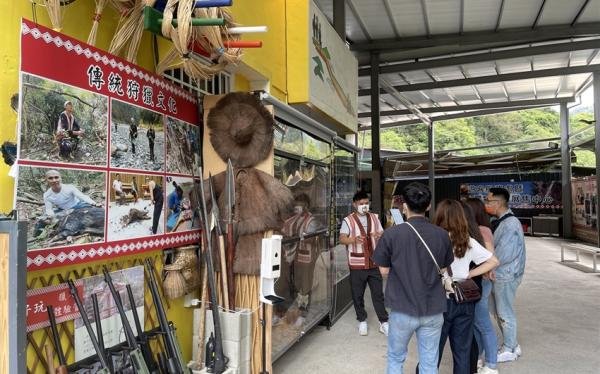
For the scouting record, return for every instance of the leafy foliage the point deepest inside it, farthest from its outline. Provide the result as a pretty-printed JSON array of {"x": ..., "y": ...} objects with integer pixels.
[{"x": 501, "y": 128}]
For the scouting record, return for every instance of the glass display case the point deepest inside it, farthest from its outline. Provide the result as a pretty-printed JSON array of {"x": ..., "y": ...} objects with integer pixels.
[
  {"x": 344, "y": 187},
  {"x": 303, "y": 163}
]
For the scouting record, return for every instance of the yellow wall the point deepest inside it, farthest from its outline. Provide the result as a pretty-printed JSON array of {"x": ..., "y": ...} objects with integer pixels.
[
  {"x": 297, "y": 52},
  {"x": 270, "y": 60}
]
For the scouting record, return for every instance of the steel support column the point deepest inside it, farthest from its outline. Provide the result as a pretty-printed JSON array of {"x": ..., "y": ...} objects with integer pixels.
[
  {"x": 565, "y": 161},
  {"x": 596, "y": 81},
  {"x": 376, "y": 190},
  {"x": 339, "y": 18},
  {"x": 431, "y": 164}
]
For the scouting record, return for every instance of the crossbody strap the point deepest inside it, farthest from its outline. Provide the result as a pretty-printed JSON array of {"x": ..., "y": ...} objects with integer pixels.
[{"x": 428, "y": 250}]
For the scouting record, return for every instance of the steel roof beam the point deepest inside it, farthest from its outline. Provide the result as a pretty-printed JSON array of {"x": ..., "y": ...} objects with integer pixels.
[
  {"x": 519, "y": 34},
  {"x": 492, "y": 79},
  {"x": 449, "y": 117},
  {"x": 523, "y": 51},
  {"x": 512, "y": 104}
]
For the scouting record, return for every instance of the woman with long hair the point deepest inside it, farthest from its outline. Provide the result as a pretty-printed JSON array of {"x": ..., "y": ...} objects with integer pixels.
[
  {"x": 487, "y": 341},
  {"x": 459, "y": 318}
]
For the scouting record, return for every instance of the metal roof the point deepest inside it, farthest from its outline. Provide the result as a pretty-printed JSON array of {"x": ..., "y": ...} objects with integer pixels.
[{"x": 458, "y": 58}]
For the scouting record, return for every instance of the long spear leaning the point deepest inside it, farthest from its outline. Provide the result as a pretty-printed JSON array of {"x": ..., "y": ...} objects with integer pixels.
[
  {"x": 231, "y": 240},
  {"x": 219, "y": 358}
]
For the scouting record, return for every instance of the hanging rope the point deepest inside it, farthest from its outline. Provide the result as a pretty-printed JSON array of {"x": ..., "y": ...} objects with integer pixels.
[{"x": 100, "y": 5}]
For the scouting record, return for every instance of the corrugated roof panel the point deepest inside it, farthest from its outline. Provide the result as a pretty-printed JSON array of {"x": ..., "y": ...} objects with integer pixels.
[
  {"x": 551, "y": 61},
  {"x": 591, "y": 12},
  {"x": 326, "y": 7},
  {"x": 520, "y": 90},
  {"x": 572, "y": 82},
  {"x": 559, "y": 12},
  {"x": 492, "y": 92},
  {"x": 409, "y": 17},
  {"x": 353, "y": 30},
  {"x": 514, "y": 65},
  {"x": 416, "y": 76},
  {"x": 481, "y": 14},
  {"x": 416, "y": 98},
  {"x": 446, "y": 73},
  {"x": 444, "y": 16},
  {"x": 579, "y": 58},
  {"x": 375, "y": 18},
  {"x": 519, "y": 13},
  {"x": 479, "y": 69}
]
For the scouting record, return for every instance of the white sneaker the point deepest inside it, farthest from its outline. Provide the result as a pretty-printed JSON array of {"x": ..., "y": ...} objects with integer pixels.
[
  {"x": 506, "y": 356},
  {"x": 518, "y": 351},
  {"x": 479, "y": 364},
  {"x": 487, "y": 370},
  {"x": 363, "y": 328},
  {"x": 384, "y": 328}
]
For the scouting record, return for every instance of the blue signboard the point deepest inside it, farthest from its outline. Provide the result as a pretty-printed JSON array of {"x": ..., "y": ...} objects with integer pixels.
[{"x": 523, "y": 195}]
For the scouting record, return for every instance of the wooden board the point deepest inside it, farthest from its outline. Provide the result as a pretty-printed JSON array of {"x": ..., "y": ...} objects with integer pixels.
[
  {"x": 247, "y": 287},
  {"x": 4, "y": 287}
]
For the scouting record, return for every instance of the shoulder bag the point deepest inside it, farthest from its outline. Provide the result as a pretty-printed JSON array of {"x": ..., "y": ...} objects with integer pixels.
[{"x": 464, "y": 291}]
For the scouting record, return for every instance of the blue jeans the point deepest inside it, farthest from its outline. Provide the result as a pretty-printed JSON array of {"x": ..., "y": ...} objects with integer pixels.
[
  {"x": 428, "y": 330},
  {"x": 484, "y": 331},
  {"x": 503, "y": 306}
]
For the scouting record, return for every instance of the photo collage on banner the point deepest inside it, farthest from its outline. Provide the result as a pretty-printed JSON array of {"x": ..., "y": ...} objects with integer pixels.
[{"x": 107, "y": 154}]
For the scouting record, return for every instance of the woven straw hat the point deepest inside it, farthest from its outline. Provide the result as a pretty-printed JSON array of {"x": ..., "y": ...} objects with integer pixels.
[{"x": 241, "y": 129}]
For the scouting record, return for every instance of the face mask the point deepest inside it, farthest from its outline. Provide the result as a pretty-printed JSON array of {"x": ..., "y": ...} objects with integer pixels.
[
  {"x": 298, "y": 210},
  {"x": 363, "y": 209}
]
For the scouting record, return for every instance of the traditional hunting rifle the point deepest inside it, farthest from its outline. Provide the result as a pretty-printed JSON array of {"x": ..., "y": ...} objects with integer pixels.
[
  {"x": 216, "y": 219},
  {"x": 173, "y": 359},
  {"x": 135, "y": 354},
  {"x": 99, "y": 332},
  {"x": 62, "y": 369},
  {"x": 104, "y": 368},
  {"x": 219, "y": 361},
  {"x": 231, "y": 240},
  {"x": 142, "y": 336}
]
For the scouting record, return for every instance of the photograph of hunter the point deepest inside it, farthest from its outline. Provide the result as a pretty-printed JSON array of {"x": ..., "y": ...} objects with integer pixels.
[
  {"x": 137, "y": 139},
  {"x": 65, "y": 206},
  {"x": 60, "y": 123}
]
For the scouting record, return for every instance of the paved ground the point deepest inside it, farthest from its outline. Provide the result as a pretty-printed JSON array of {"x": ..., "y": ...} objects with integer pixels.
[{"x": 559, "y": 327}]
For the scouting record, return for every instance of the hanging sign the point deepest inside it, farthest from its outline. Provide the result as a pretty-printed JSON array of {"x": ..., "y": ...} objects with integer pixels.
[
  {"x": 107, "y": 152},
  {"x": 59, "y": 296}
]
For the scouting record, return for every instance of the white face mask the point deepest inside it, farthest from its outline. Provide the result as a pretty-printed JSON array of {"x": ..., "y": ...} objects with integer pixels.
[
  {"x": 363, "y": 208},
  {"x": 298, "y": 210}
]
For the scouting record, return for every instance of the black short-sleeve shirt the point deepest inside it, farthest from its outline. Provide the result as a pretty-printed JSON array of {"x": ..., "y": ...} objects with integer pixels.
[{"x": 414, "y": 285}]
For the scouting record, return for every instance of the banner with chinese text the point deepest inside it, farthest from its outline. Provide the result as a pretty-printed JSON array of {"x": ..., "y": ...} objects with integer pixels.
[
  {"x": 107, "y": 153},
  {"x": 523, "y": 195}
]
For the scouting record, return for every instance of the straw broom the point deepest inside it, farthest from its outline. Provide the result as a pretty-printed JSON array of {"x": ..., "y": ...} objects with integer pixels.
[
  {"x": 131, "y": 31},
  {"x": 55, "y": 13},
  {"x": 100, "y": 5}
]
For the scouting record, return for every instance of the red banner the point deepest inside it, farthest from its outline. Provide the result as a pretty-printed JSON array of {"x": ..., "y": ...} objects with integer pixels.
[
  {"x": 107, "y": 154},
  {"x": 59, "y": 297}
]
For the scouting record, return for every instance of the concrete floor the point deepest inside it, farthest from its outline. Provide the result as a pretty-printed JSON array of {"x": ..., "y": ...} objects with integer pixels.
[{"x": 558, "y": 309}]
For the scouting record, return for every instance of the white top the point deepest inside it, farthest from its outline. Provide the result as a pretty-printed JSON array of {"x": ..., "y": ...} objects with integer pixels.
[
  {"x": 117, "y": 185},
  {"x": 477, "y": 254},
  {"x": 66, "y": 198},
  {"x": 345, "y": 230}
]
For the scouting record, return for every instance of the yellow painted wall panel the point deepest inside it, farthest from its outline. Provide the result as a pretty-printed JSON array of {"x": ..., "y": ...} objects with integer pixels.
[
  {"x": 297, "y": 51},
  {"x": 270, "y": 60}
]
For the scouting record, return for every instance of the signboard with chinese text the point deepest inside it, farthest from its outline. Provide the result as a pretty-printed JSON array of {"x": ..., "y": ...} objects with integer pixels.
[
  {"x": 523, "y": 195},
  {"x": 59, "y": 296},
  {"x": 99, "y": 138}
]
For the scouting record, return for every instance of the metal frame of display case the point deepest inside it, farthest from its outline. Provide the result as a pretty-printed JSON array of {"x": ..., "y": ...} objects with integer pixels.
[
  {"x": 342, "y": 292},
  {"x": 292, "y": 117}
]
